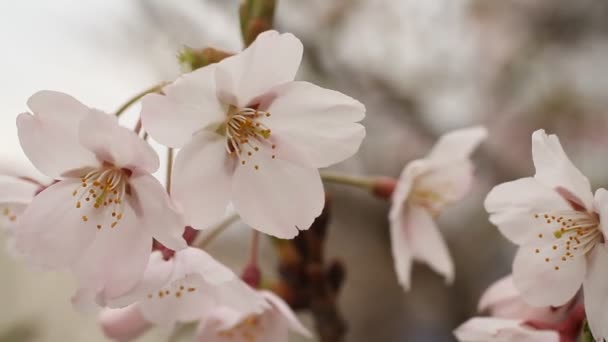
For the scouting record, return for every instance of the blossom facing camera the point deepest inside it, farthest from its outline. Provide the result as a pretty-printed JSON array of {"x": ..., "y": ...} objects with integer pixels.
[
  {"x": 99, "y": 219},
  {"x": 253, "y": 136},
  {"x": 559, "y": 226},
  {"x": 274, "y": 324},
  {"x": 424, "y": 188}
]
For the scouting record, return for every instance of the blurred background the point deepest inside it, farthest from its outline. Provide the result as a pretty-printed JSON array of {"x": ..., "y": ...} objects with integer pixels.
[{"x": 422, "y": 67}]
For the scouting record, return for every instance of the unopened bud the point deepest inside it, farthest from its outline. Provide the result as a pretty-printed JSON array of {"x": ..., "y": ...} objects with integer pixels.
[
  {"x": 384, "y": 187},
  {"x": 252, "y": 276},
  {"x": 256, "y": 17},
  {"x": 192, "y": 59}
]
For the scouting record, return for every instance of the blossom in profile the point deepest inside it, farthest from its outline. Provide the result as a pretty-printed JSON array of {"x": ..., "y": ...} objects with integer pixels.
[
  {"x": 251, "y": 135},
  {"x": 559, "y": 226},
  {"x": 98, "y": 220},
  {"x": 424, "y": 188}
]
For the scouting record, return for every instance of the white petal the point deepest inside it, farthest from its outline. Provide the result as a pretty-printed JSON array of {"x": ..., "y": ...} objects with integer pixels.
[
  {"x": 15, "y": 190},
  {"x": 554, "y": 169},
  {"x": 188, "y": 105},
  {"x": 513, "y": 206},
  {"x": 194, "y": 260},
  {"x": 156, "y": 211},
  {"x": 49, "y": 138},
  {"x": 271, "y": 60},
  {"x": 446, "y": 183},
  {"x": 283, "y": 309},
  {"x": 400, "y": 245},
  {"x": 276, "y": 196},
  {"x": 325, "y": 129},
  {"x": 115, "y": 144},
  {"x": 124, "y": 324},
  {"x": 116, "y": 260},
  {"x": 202, "y": 180},
  {"x": 502, "y": 290},
  {"x": 51, "y": 231},
  {"x": 595, "y": 289},
  {"x": 601, "y": 207},
  {"x": 486, "y": 329},
  {"x": 426, "y": 243},
  {"x": 547, "y": 283},
  {"x": 458, "y": 144}
]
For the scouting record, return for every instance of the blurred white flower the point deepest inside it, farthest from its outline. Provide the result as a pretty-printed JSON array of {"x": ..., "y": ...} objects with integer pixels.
[
  {"x": 99, "y": 220},
  {"x": 274, "y": 324},
  {"x": 15, "y": 195},
  {"x": 424, "y": 188},
  {"x": 557, "y": 223},
  {"x": 489, "y": 329},
  {"x": 254, "y": 137}
]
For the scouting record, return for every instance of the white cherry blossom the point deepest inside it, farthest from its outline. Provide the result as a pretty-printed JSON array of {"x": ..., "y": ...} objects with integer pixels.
[
  {"x": 424, "y": 188},
  {"x": 253, "y": 136}
]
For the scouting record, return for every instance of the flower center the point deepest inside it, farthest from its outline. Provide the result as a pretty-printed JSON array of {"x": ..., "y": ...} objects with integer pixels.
[
  {"x": 248, "y": 329},
  {"x": 575, "y": 233},
  {"x": 103, "y": 189},
  {"x": 175, "y": 289},
  {"x": 246, "y": 133}
]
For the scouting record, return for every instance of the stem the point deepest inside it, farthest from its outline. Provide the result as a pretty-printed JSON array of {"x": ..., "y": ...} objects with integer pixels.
[
  {"x": 138, "y": 97},
  {"x": 365, "y": 183},
  {"x": 169, "y": 169},
  {"x": 203, "y": 241}
]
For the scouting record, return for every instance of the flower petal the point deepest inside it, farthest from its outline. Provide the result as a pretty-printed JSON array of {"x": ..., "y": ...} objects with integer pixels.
[
  {"x": 502, "y": 290},
  {"x": 188, "y": 105},
  {"x": 283, "y": 309},
  {"x": 601, "y": 207},
  {"x": 272, "y": 59},
  {"x": 324, "y": 130},
  {"x": 276, "y": 196},
  {"x": 124, "y": 324},
  {"x": 445, "y": 183},
  {"x": 426, "y": 243},
  {"x": 486, "y": 329},
  {"x": 554, "y": 168},
  {"x": 49, "y": 137},
  {"x": 156, "y": 212},
  {"x": 51, "y": 231},
  {"x": 116, "y": 260},
  {"x": 115, "y": 144},
  {"x": 513, "y": 207},
  {"x": 543, "y": 278},
  {"x": 400, "y": 245},
  {"x": 15, "y": 190},
  {"x": 595, "y": 289},
  {"x": 202, "y": 180},
  {"x": 458, "y": 144}
]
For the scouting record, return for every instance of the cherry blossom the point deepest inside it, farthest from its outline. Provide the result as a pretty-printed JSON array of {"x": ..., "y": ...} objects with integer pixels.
[
  {"x": 99, "y": 219},
  {"x": 424, "y": 188},
  {"x": 15, "y": 195},
  {"x": 274, "y": 324},
  {"x": 558, "y": 224},
  {"x": 253, "y": 136},
  {"x": 490, "y": 329},
  {"x": 186, "y": 288}
]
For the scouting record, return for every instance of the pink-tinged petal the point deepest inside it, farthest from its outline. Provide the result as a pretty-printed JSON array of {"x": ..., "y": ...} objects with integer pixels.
[
  {"x": 187, "y": 106},
  {"x": 194, "y": 260},
  {"x": 283, "y": 309},
  {"x": 52, "y": 149},
  {"x": 101, "y": 133},
  {"x": 485, "y": 329},
  {"x": 426, "y": 243},
  {"x": 325, "y": 130},
  {"x": 502, "y": 290},
  {"x": 403, "y": 190},
  {"x": 116, "y": 260},
  {"x": 271, "y": 60},
  {"x": 276, "y": 196},
  {"x": 124, "y": 324},
  {"x": 458, "y": 144},
  {"x": 15, "y": 190},
  {"x": 400, "y": 247},
  {"x": 601, "y": 207},
  {"x": 51, "y": 231},
  {"x": 513, "y": 207},
  {"x": 543, "y": 277},
  {"x": 595, "y": 289},
  {"x": 156, "y": 211},
  {"x": 158, "y": 272},
  {"x": 554, "y": 168},
  {"x": 216, "y": 327},
  {"x": 444, "y": 184},
  {"x": 201, "y": 183}
]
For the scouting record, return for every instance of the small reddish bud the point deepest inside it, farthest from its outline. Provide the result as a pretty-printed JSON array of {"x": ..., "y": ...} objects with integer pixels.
[
  {"x": 252, "y": 276},
  {"x": 384, "y": 187}
]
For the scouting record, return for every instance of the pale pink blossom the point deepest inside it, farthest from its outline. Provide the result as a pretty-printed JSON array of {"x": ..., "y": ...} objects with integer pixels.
[
  {"x": 424, "y": 188},
  {"x": 253, "y": 136},
  {"x": 15, "y": 195},
  {"x": 99, "y": 219},
  {"x": 186, "y": 288},
  {"x": 558, "y": 224},
  {"x": 490, "y": 329},
  {"x": 124, "y": 324},
  {"x": 274, "y": 324}
]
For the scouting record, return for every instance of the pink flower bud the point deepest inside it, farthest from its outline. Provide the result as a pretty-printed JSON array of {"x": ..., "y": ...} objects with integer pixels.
[{"x": 123, "y": 324}]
